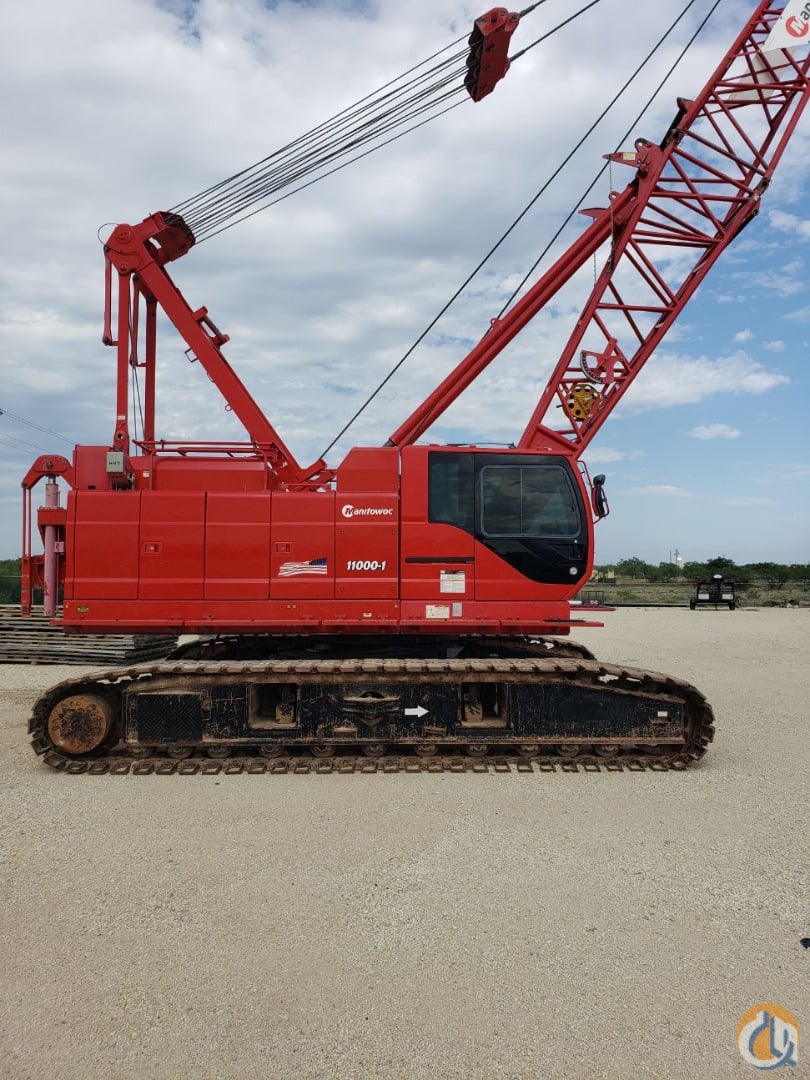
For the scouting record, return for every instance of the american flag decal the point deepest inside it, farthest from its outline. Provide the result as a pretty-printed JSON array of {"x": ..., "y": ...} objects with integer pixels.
[{"x": 294, "y": 569}]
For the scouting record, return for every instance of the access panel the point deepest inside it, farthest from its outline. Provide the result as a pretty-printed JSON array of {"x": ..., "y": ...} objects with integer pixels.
[
  {"x": 171, "y": 545},
  {"x": 237, "y": 546},
  {"x": 102, "y": 547}
]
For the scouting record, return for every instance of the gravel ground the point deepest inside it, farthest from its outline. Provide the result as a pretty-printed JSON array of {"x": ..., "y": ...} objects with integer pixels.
[{"x": 421, "y": 926}]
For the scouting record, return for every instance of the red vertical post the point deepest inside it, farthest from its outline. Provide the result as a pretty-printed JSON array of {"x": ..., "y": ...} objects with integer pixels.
[
  {"x": 150, "y": 360},
  {"x": 51, "y": 536},
  {"x": 121, "y": 436},
  {"x": 26, "y": 586}
]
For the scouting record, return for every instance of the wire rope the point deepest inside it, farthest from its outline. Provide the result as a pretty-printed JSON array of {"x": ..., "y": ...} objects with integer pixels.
[
  {"x": 532, "y": 202},
  {"x": 244, "y": 204},
  {"x": 337, "y": 168},
  {"x": 18, "y": 444},
  {"x": 345, "y": 137},
  {"x": 607, "y": 164},
  {"x": 394, "y": 105},
  {"x": 314, "y": 130}
]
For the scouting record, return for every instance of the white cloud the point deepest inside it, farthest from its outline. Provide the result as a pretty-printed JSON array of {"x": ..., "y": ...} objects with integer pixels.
[
  {"x": 682, "y": 380},
  {"x": 774, "y": 346},
  {"x": 714, "y": 431},
  {"x": 669, "y": 491},
  {"x": 742, "y": 337},
  {"x": 609, "y": 455},
  {"x": 789, "y": 223},
  {"x": 742, "y": 501}
]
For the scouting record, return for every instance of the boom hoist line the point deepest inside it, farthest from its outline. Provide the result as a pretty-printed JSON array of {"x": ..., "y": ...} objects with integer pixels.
[{"x": 422, "y": 93}]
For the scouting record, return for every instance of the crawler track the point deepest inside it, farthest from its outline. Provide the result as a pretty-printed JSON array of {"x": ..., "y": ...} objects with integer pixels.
[{"x": 346, "y": 716}]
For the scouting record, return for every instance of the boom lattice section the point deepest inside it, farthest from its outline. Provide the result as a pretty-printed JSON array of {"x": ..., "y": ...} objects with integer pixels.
[{"x": 692, "y": 195}]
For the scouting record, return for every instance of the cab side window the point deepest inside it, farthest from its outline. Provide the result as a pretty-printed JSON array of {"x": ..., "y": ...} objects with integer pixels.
[{"x": 451, "y": 489}]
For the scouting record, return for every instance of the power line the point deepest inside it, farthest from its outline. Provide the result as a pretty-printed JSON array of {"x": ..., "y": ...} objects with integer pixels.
[
  {"x": 37, "y": 427},
  {"x": 19, "y": 444}
]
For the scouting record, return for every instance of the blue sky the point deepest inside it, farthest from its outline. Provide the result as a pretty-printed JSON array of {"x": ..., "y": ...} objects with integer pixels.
[{"x": 322, "y": 295}]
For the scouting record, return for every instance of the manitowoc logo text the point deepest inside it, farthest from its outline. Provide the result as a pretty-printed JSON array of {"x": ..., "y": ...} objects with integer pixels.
[{"x": 350, "y": 511}]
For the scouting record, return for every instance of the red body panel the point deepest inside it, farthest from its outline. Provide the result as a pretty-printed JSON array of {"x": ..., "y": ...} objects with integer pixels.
[
  {"x": 172, "y": 545},
  {"x": 302, "y": 558},
  {"x": 102, "y": 546},
  {"x": 370, "y": 560},
  {"x": 237, "y": 546}
]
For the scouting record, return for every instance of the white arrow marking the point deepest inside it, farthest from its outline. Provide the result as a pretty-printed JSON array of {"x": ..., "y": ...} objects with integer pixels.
[{"x": 418, "y": 712}]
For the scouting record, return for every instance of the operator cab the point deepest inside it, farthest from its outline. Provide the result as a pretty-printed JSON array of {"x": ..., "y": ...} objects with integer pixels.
[{"x": 527, "y": 509}]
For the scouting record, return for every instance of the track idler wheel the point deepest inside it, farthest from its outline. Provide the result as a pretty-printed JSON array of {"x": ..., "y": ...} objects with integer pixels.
[
  {"x": 568, "y": 750},
  {"x": 426, "y": 749},
  {"x": 321, "y": 750},
  {"x": 81, "y": 723},
  {"x": 375, "y": 749},
  {"x": 606, "y": 750},
  {"x": 477, "y": 749}
]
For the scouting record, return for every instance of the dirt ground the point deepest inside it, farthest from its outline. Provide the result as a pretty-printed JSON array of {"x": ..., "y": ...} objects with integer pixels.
[{"x": 421, "y": 925}]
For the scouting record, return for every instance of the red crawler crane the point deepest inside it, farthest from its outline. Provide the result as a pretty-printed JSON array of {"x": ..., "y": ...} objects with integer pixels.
[{"x": 396, "y": 599}]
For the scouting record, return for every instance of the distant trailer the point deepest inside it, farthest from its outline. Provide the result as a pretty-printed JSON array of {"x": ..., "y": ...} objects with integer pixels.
[{"x": 715, "y": 593}]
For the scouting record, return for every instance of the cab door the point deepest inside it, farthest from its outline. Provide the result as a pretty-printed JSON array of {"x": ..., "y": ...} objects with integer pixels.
[{"x": 438, "y": 549}]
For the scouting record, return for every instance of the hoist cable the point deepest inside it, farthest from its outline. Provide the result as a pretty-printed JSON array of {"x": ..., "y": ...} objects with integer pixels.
[
  {"x": 624, "y": 137},
  {"x": 297, "y": 171},
  {"x": 524, "y": 212},
  {"x": 531, "y": 7},
  {"x": 548, "y": 34},
  {"x": 19, "y": 444},
  {"x": 317, "y": 160},
  {"x": 262, "y": 187},
  {"x": 330, "y": 172},
  {"x": 256, "y": 174},
  {"x": 31, "y": 424},
  {"x": 368, "y": 118},
  {"x": 314, "y": 130}
]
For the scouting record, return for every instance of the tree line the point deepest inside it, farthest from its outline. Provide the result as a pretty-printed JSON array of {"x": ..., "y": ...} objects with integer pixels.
[
  {"x": 10, "y": 581},
  {"x": 776, "y": 575}
]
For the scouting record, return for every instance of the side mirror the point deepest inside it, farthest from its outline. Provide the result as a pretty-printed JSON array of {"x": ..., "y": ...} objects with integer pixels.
[{"x": 599, "y": 501}]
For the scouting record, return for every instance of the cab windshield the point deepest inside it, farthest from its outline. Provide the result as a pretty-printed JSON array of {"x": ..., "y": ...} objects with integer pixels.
[{"x": 528, "y": 500}]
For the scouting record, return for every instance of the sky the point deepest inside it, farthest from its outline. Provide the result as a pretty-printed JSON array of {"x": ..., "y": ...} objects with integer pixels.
[{"x": 117, "y": 108}]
